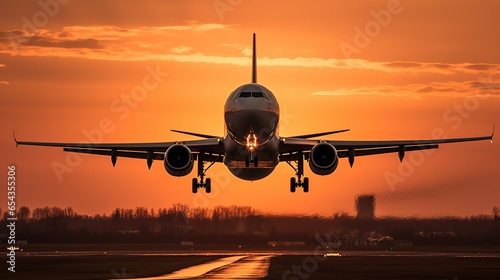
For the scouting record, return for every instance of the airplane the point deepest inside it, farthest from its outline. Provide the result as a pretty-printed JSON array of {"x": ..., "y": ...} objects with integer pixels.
[{"x": 251, "y": 147}]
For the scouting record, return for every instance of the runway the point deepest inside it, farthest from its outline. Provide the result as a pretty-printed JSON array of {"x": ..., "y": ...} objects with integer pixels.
[
  {"x": 235, "y": 267},
  {"x": 255, "y": 265},
  {"x": 273, "y": 253},
  {"x": 153, "y": 263}
]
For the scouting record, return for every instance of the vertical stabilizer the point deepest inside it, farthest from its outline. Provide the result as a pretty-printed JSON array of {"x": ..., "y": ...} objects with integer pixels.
[{"x": 254, "y": 62}]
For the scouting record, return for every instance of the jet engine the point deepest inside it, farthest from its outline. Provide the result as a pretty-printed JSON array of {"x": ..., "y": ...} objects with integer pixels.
[
  {"x": 178, "y": 160},
  {"x": 323, "y": 159}
]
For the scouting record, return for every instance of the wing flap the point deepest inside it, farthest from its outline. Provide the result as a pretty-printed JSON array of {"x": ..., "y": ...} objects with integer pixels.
[
  {"x": 212, "y": 145},
  {"x": 378, "y": 151},
  {"x": 127, "y": 154},
  {"x": 395, "y": 143}
]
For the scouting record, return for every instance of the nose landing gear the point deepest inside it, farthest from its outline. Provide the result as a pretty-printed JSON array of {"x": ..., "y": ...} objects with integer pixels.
[
  {"x": 251, "y": 146},
  {"x": 254, "y": 160}
]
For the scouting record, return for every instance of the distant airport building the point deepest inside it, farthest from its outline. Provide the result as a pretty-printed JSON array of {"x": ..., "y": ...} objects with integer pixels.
[{"x": 365, "y": 207}]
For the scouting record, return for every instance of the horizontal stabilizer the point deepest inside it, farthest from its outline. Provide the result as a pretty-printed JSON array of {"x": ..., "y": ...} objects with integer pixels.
[
  {"x": 195, "y": 134},
  {"x": 307, "y": 136}
]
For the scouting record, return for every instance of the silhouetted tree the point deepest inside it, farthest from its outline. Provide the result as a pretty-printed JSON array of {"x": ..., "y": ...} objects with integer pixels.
[
  {"x": 141, "y": 213},
  {"x": 23, "y": 213},
  {"x": 69, "y": 212},
  {"x": 41, "y": 213},
  {"x": 116, "y": 215},
  {"x": 5, "y": 214}
]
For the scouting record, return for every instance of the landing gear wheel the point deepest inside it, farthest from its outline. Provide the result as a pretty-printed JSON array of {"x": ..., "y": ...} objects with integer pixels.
[
  {"x": 255, "y": 161},
  {"x": 293, "y": 184},
  {"x": 247, "y": 161},
  {"x": 296, "y": 182},
  {"x": 208, "y": 185},
  {"x": 195, "y": 185},
  {"x": 305, "y": 184}
]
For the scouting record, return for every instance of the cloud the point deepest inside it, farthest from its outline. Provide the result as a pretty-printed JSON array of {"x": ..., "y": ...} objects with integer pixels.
[
  {"x": 3, "y": 82},
  {"x": 148, "y": 43},
  {"x": 441, "y": 68},
  {"x": 102, "y": 42},
  {"x": 246, "y": 52},
  {"x": 400, "y": 64},
  {"x": 114, "y": 32},
  {"x": 452, "y": 88},
  {"x": 112, "y": 43},
  {"x": 181, "y": 49},
  {"x": 42, "y": 41}
]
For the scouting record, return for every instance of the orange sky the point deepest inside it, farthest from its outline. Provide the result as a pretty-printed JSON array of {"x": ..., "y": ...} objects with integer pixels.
[{"x": 418, "y": 66}]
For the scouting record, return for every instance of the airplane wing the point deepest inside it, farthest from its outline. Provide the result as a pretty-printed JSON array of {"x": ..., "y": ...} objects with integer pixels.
[
  {"x": 289, "y": 147},
  {"x": 150, "y": 151}
]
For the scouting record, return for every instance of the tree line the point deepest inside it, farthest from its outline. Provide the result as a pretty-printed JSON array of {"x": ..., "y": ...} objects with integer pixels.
[{"x": 240, "y": 225}]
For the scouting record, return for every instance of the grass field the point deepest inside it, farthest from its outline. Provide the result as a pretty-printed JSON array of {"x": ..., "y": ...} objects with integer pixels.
[
  {"x": 385, "y": 268},
  {"x": 98, "y": 267}
]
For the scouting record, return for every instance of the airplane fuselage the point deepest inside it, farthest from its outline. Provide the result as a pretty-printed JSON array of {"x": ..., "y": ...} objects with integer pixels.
[{"x": 251, "y": 142}]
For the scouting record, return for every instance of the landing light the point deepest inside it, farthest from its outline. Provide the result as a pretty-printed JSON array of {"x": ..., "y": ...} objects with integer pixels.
[
  {"x": 251, "y": 140},
  {"x": 332, "y": 255}
]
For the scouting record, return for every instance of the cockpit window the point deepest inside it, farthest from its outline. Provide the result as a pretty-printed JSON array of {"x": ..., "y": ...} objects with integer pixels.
[
  {"x": 245, "y": 94},
  {"x": 254, "y": 94}
]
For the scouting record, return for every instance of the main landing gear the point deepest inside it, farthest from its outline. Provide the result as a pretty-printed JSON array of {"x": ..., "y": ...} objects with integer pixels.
[
  {"x": 296, "y": 182},
  {"x": 202, "y": 183}
]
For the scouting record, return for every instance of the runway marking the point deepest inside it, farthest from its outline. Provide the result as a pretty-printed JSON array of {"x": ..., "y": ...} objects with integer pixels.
[
  {"x": 235, "y": 267},
  {"x": 196, "y": 270},
  {"x": 253, "y": 267}
]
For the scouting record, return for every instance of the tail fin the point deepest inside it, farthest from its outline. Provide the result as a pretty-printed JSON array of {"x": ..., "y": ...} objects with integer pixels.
[{"x": 254, "y": 62}]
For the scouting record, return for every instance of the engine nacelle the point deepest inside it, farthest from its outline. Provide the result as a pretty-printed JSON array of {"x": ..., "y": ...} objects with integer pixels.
[
  {"x": 178, "y": 160},
  {"x": 323, "y": 159}
]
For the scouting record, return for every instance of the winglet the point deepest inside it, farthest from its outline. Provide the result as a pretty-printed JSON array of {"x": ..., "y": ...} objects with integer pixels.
[
  {"x": 254, "y": 61},
  {"x": 14, "y": 134},
  {"x": 492, "y": 134}
]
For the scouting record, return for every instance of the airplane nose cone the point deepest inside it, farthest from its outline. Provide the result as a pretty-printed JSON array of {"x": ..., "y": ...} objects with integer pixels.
[
  {"x": 250, "y": 103},
  {"x": 240, "y": 123}
]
